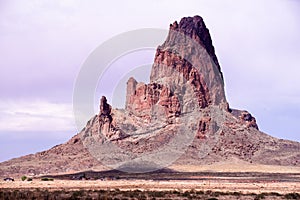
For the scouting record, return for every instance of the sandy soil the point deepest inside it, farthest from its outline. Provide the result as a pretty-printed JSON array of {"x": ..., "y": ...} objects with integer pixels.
[
  {"x": 249, "y": 180},
  {"x": 236, "y": 166},
  {"x": 213, "y": 185}
]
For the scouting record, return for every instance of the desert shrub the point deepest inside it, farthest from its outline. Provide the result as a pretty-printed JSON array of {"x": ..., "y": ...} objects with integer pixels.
[
  {"x": 77, "y": 194},
  {"x": 142, "y": 196},
  {"x": 236, "y": 193},
  {"x": 217, "y": 193},
  {"x": 193, "y": 191},
  {"x": 159, "y": 194},
  {"x": 29, "y": 179},
  {"x": 134, "y": 193},
  {"x": 200, "y": 192},
  {"x": 176, "y": 192},
  {"x": 47, "y": 179},
  {"x": 23, "y": 178},
  {"x": 275, "y": 194},
  {"x": 186, "y": 194},
  {"x": 292, "y": 196},
  {"x": 260, "y": 196},
  {"x": 208, "y": 192}
]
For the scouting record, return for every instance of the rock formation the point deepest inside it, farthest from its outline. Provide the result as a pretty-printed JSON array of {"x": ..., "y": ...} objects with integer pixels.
[
  {"x": 105, "y": 119},
  {"x": 185, "y": 95},
  {"x": 143, "y": 97}
]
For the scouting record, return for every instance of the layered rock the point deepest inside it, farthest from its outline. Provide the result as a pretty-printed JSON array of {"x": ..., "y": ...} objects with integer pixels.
[
  {"x": 169, "y": 67},
  {"x": 146, "y": 100},
  {"x": 105, "y": 118},
  {"x": 106, "y": 126},
  {"x": 244, "y": 118},
  {"x": 195, "y": 28},
  {"x": 188, "y": 50},
  {"x": 175, "y": 82},
  {"x": 130, "y": 92}
]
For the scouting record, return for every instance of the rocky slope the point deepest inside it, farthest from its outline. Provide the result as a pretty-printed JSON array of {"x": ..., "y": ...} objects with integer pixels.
[{"x": 180, "y": 117}]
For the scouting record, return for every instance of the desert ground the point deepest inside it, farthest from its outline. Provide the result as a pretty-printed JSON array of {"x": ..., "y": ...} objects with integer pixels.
[
  {"x": 213, "y": 184},
  {"x": 266, "y": 182},
  {"x": 208, "y": 188}
]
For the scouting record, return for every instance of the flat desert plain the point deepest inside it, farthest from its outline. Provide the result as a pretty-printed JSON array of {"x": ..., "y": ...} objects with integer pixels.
[{"x": 191, "y": 182}]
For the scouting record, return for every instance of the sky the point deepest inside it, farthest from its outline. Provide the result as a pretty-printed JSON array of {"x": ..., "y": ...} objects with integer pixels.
[{"x": 43, "y": 44}]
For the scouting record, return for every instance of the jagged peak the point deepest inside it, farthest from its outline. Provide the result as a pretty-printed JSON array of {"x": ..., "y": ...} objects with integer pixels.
[
  {"x": 195, "y": 28},
  {"x": 197, "y": 63},
  {"x": 105, "y": 108}
]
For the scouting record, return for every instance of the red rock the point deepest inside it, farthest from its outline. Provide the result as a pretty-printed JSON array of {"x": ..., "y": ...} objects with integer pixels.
[
  {"x": 184, "y": 68},
  {"x": 105, "y": 118},
  {"x": 203, "y": 127},
  {"x": 175, "y": 66},
  {"x": 130, "y": 92},
  {"x": 141, "y": 101},
  {"x": 248, "y": 119}
]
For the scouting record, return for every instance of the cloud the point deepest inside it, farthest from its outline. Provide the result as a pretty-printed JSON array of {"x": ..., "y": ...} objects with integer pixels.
[{"x": 35, "y": 116}]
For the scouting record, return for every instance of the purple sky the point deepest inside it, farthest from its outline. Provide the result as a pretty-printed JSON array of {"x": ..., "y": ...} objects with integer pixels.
[{"x": 44, "y": 43}]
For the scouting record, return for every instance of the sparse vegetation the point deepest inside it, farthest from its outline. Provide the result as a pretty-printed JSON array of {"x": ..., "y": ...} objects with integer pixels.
[
  {"x": 260, "y": 196},
  {"x": 47, "y": 179},
  {"x": 135, "y": 194},
  {"x": 23, "y": 178},
  {"x": 292, "y": 196}
]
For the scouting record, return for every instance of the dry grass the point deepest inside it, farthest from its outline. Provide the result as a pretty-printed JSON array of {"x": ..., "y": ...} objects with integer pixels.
[
  {"x": 236, "y": 166},
  {"x": 204, "y": 185}
]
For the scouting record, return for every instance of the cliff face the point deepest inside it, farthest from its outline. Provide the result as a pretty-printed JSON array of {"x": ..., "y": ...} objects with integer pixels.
[
  {"x": 144, "y": 97},
  {"x": 181, "y": 116},
  {"x": 194, "y": 27},
  {"x": 185, "y": 72},
  {"x": 188, "y": 50}
]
